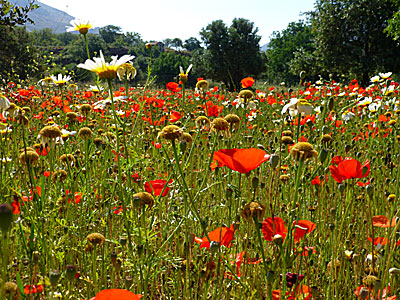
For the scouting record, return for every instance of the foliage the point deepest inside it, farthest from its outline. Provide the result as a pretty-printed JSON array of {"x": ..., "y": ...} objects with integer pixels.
[
  {"x": 18, "y": 57},
  {"x": 393, "y": 28},
  {"x": 291, "y": 43},
  {"x": 350, "y": 37},
  {"x": 233, "y": 52},
  {"x": 11, "y": 15},
  {"x": 166, "y": 67}
]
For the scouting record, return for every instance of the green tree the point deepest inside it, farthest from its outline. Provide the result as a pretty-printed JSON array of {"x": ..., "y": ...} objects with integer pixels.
[
  {"x": 18, "y": 57},
  {"x": 166, "y": 67},
  {"x": 232, "y": 53},
  {"x": 350, "y": 37},
  {"x": 286, "y": 45},
  {"x": 393, "y": 28},
  {"x": 110, "y": 33},
  {"x": 192, "y": 44},
  {"x": 11, "y": 15}
]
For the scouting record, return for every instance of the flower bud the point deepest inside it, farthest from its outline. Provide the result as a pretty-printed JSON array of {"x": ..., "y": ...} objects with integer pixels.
[
  {"x": 214, "y": 246},
  {"x": 54, "y": 277},
  {"x": 370, "y": 190},
  {"x": 6, "y": 216},
  {"x": 274, "y": 160}
]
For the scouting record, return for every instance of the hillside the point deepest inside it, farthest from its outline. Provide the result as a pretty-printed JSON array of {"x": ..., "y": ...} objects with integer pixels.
[{"x": 46, "y": 17}]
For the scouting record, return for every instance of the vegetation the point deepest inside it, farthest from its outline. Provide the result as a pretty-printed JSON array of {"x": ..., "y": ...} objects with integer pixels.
[{"x": 137, "y": 180}]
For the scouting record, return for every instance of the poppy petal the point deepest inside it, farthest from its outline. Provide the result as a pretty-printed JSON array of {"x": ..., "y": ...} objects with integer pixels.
[
  {"x": 272, "y": 226},
  {"x": 241, "y": 160},
  {"x": 117, "y": 294}
]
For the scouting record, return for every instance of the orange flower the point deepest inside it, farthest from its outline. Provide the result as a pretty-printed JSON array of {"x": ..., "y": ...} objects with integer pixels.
[
  {"x": 241, "y": 160},
  {"x": 383, "y": 222},
  {"x": 222, "y": 235},
  {"x": 247, "y": 82},
  {"x": 116, "y": 294}
]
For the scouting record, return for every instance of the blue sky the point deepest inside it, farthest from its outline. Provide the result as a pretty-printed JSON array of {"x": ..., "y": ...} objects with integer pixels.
[{"x": 160, "y": 19}]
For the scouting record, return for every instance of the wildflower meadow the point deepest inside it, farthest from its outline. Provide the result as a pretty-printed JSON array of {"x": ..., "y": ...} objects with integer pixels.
[{"x": 112, "y": 189}]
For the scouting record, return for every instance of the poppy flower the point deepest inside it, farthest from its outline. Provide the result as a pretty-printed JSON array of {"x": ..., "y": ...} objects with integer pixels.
[
  {"x": 349, "y": 168},
  {"x": 272, "y": 226},
  {"x": 383, "y": 222},
  {"x": 173, "y": 87},
  {"x": 372, "y": 295},
  {"x": 175, "y": 116},
  {"x": 33, "y": 289},
  {"x": 247, "y": 82},
  {"x": 157, "y": 186},
  {"x": 241, "y": 160},
  {"x": 116, "y": 294},
  {"x": 301, "y": 292},
  {"x": 222, "y": 235}
]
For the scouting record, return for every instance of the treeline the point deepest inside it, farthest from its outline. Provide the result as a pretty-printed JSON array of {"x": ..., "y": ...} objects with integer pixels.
[{"x": 340, "y": 39}]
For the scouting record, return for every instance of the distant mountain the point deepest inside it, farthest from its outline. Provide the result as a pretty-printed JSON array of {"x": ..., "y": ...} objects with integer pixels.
[
  {"x": 263, "y": 48},
  {"x": 46, "y": 17}
]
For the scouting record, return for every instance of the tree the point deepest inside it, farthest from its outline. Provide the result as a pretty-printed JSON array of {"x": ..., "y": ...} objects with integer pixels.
[
  {"x": 282, "y": 49},
  {"x": 11, "y": 15},
  {"x": 166, "y": 67},
  {"x": 192, "y": 44},
  {"x": 350, "y": 37},
  {"x": 393, "y": 28},
  {"x": 17, "y": 55},
  {"x": 233, "y": 52},
  {"x": 110, "y": 33},
  {"x": 177, "y": 43}
]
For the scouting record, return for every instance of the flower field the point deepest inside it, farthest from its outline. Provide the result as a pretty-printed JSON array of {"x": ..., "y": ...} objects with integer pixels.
[{"x": 122, "y": 191}]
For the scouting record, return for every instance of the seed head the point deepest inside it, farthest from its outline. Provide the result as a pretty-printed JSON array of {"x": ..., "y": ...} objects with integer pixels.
[
  {"x": 253, "y": 209},
  {"x": 96, "y": 238},
  {"x": 170, "y": 132},
  {"x": 202, "y": 85},
  {"x": 30, "y": 158},
  {"x": 187, "y": 138},
  {"x": 303, "y": 151},
  {"x": 246, "y": 94},
  {"x": 85, "y": 109},
  {"x": 85, "y": 133},
  {"x": 233, "y": 120},
  {"x": 219, "y": 124},
  {"x": 143, "y": 198}
]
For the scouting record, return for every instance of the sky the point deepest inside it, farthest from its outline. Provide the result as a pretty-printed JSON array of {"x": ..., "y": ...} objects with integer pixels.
[{"x": 156, "y": 20}]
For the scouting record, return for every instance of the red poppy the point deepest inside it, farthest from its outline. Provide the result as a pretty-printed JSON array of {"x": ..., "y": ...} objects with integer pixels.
[
  {"x": 116, "y": 294},
  {"x": 302, "y": 290},
  {"x": 372, "y": 295},
  {"x": 274, "y": 225},
  {"x": 175, "y": 116},
  {"x": 247, "y": 82},
  {"x": 222, "y": 235},
  {"x": 157, "y": 186},
  {"x": 33, "y": 289},
  {"x": 173, "y": 87},
  {"x": 349, "y": 168},
  {"x": 383, "y": 222},
  {"x": 241, "y": 160}
]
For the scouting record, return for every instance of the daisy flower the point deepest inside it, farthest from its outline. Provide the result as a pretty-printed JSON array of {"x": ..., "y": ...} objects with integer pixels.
[
  {"x": 103, "y": 69},
  {"x": 60, "y": 80},
  {"x": 79, "y": 25}
]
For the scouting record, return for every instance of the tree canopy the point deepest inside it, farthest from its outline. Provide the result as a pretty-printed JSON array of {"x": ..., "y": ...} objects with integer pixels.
[{"x": 232, "y": 53}]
